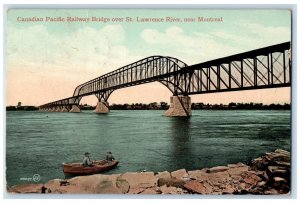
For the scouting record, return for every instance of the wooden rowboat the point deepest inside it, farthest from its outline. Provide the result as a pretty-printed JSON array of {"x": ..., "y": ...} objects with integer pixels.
[{"x": 96, "y": 167}]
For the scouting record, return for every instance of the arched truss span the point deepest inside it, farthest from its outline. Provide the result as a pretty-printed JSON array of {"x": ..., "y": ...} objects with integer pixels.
[{"x": 154, "y": 68}]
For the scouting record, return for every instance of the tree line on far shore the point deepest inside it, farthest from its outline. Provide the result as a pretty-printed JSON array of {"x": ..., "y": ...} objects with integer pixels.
[{"x": 165, "y": 106}]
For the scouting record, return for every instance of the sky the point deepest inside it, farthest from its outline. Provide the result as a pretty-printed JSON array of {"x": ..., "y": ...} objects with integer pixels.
[{"x": 45, "y": 61}]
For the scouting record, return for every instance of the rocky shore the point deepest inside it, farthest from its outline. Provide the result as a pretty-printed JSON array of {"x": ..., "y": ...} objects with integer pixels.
[{"x": 266, "y": 175}]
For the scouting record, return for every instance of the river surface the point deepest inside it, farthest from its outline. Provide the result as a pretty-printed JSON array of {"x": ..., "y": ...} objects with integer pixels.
[{"x": 39, "y": 142}]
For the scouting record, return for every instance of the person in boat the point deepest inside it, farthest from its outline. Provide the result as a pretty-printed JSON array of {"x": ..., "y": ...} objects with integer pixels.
[
  {"x": 109, "y": 157},
  {"x": 86, "y": 160}
]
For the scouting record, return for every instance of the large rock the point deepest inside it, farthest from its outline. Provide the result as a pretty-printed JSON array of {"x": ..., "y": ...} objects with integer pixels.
[
  {"x": 217, "y": 169},
  {"x": 26, "y": 188},
  {"x": 180, "y": 174},
  {"x": 140, "y": 180},
  {"x": 164, "y": 174},
  {"x": 58, "y": 186},
  {"x": 208, "y": 187},
  {"x": 280, "y": 171},
  {"x": 251, "y": 178},
  {"x": 195, "y": 187},
  {"x": 218, "y": 178},
  {"x": 271, "y": 192},
  {"x": 123, "y": 185},
  {"x": 200, "y": 175},
  {"x": 282, "y": 163},
  {"x": 243, "y": 188},
  {"x": 169, "y": 190},
  {"x": 229, "y": 189},
  {"x": 237, "y": 169},
  {"x": 97, "y": 184},
  {"x": 259, "y": 163},
  {"x": 279, "y": 155},
  {"x": 279, "y": 180},
  {"x": 283, "y": 152},
  {"x": 171, "y": 182}
]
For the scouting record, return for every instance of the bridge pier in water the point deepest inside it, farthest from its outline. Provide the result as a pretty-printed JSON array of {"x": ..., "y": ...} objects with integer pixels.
[
  {"x": 179, "y": 106},
  {"x": 102, "y": 107},
  {"x": 75, "y": 109}
]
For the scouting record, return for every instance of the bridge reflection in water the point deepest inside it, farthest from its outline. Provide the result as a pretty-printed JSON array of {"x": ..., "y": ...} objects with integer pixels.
[
  {"x": 268, "y": 67},
  {"x": 181, "y": 146}
]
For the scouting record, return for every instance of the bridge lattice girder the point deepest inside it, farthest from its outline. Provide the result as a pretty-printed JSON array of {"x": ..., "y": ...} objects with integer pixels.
[{"x": 267, "y": 67}]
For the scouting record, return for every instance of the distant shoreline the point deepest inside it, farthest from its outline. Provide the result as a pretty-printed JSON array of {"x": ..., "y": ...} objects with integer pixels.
[{"x": 165, "y": 106}]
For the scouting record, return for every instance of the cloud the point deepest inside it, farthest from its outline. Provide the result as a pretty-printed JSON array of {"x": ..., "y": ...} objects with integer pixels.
[
  {"x": 191, "y": 48},
  {"x": 198, "y": 46},
  {"x": 253, "y": 35},
  {"x": 268, "y": 34},
  {"x": 173, "y": 36},
  {"x": 153, "y": 36},
  {"x": 85, "y": 49}
]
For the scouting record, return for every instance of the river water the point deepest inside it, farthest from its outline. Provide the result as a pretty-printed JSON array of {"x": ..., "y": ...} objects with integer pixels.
[{"x": 38, "y": 142}]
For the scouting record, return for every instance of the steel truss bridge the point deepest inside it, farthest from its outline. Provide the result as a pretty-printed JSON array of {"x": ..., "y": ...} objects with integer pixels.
[{"x": 268, "y": 67}]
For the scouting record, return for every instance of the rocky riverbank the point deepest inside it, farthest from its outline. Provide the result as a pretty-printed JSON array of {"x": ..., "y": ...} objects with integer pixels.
[{"x": 266, "y": 175}]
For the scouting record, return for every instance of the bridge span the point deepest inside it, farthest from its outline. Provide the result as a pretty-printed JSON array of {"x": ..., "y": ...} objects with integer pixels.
[{"x": 268, "y": 67}]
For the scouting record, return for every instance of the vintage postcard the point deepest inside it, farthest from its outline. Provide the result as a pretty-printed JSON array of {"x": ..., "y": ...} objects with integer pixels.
[{"x": 148, "y": 101}]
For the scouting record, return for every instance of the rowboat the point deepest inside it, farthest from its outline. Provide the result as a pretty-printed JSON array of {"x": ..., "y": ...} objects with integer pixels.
[{"x": 97, "y": 167}]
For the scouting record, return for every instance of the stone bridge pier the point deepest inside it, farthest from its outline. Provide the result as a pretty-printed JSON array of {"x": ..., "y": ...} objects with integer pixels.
[
  {"x": 179, "y": 106},
  {"x": 102, "y": 107},
  {"x": 75, "y": 109}
]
